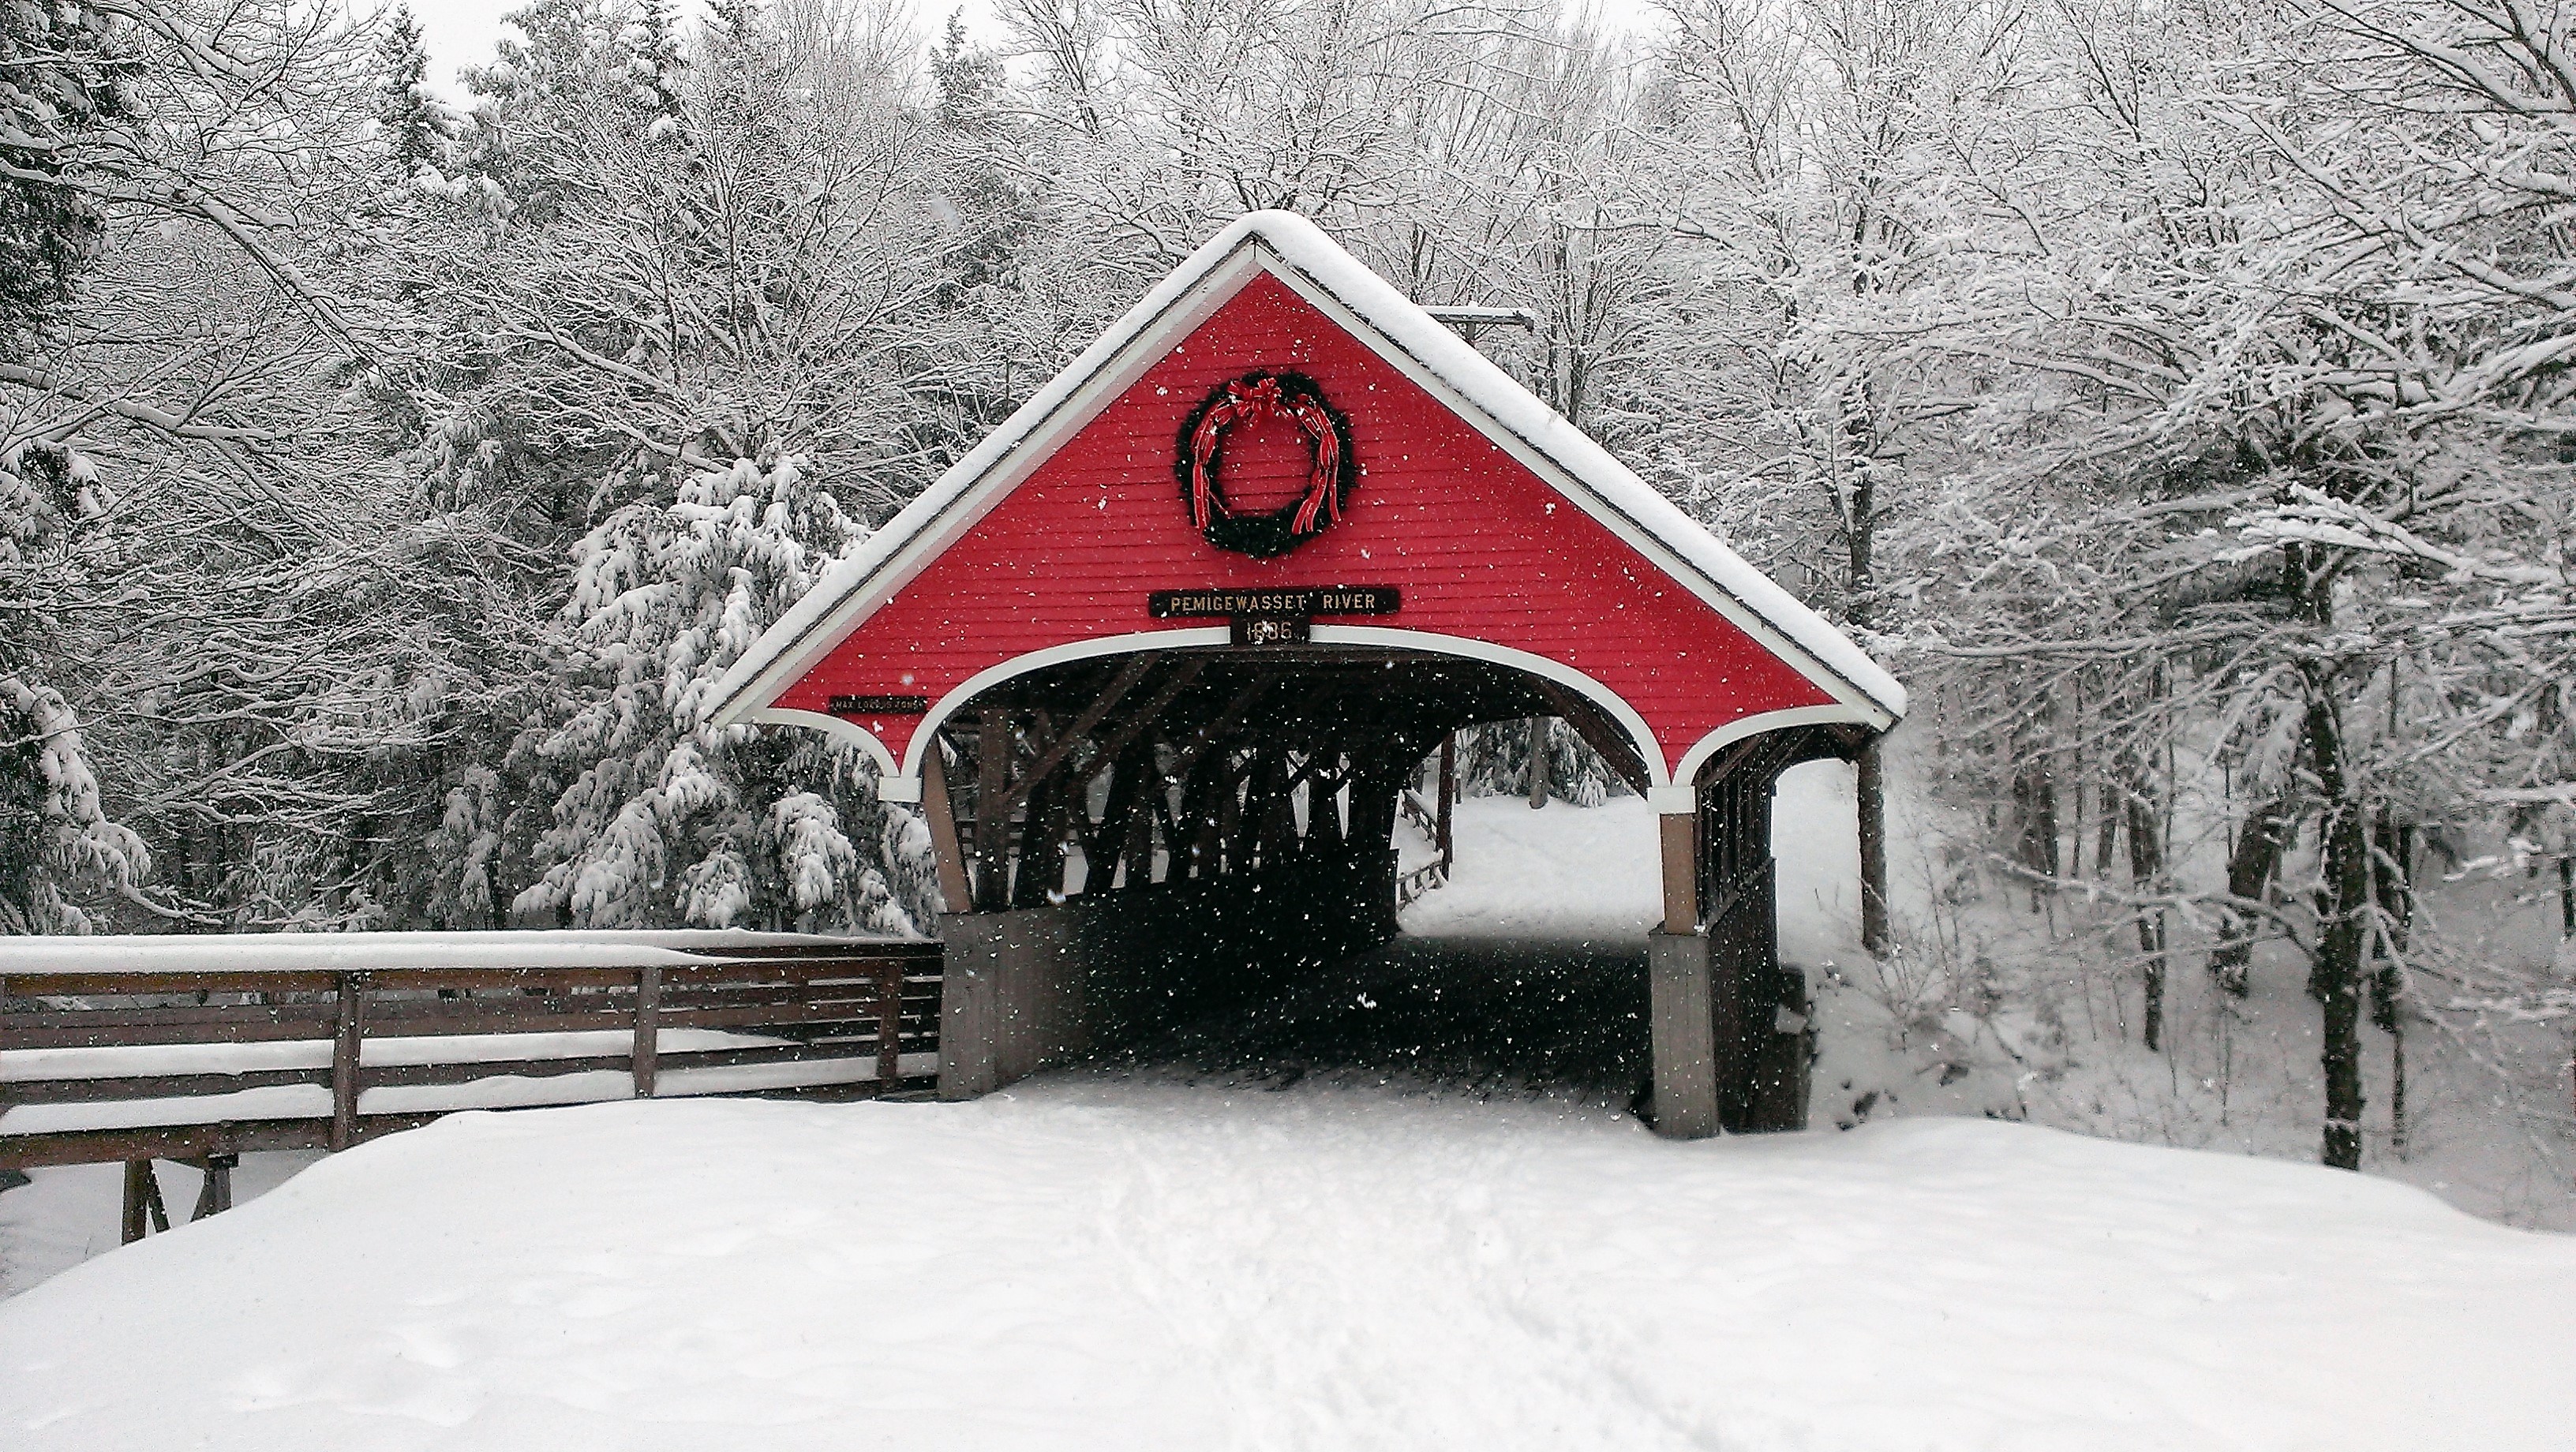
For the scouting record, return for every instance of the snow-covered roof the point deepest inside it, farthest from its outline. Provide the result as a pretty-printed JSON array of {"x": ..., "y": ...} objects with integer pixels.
[{"x": 1301, "y": 255}]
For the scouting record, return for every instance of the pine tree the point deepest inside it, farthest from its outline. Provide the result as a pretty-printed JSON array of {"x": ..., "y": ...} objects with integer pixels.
[
  {"x": 60, "y": 76},
  {"x": 57, "y": 843},
  {"x": 419, "y": 129}
]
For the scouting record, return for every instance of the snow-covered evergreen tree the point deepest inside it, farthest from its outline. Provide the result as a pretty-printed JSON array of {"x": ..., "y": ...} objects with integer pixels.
[
  {"x": 665, "y": 819},
  {"x": 57, "y": 843},
  {"x": 420, "y": 130}
]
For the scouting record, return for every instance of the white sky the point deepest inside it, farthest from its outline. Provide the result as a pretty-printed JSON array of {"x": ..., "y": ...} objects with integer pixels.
[{"x": 461, "y": 32}]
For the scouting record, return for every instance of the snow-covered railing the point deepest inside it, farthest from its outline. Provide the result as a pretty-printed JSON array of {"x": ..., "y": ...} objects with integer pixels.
[{"x": 204, "y": 1047}]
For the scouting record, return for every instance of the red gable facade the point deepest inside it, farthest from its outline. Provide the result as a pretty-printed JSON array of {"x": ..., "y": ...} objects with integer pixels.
[{"x": 1500, "y": 537}]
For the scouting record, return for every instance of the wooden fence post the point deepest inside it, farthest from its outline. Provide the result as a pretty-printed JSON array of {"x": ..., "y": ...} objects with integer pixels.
[
  {"x": 889, "y": 1023},
  {"x": 138, "y": 1173},
  {"x": 1447, "y": 825},
  {"x": 344, "y": 1060},
  {"x": 648, "y": 1030}
]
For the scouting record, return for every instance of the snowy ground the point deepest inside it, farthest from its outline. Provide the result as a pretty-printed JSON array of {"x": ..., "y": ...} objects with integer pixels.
[
  {"x": 1107, "y": 1261},
  {"x": 1403, "y": 1206}
]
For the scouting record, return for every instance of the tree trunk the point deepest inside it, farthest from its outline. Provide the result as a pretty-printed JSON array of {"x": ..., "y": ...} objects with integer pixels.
[
  {"x": 1870, "y": 792},
  {"x": 2146, "y": 870},
  {"x": 2249, "y": 874},
  {"x": 2567, "y": 897},
  {"x": 1860, "y": 583},
  {"x": 2344, "y": 938},
  {"x": 2393, "y": 883},
  {"x": 1538, "y": 761}
]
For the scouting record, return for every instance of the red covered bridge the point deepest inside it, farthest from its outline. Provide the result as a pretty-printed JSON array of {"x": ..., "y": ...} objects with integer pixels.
[{"x": 1158, "y": 656}]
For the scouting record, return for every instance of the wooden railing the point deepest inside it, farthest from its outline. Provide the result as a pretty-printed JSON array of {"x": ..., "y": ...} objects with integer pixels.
[
  {"x": 1433, "y": 822},
  {"x": 203, "y": 1064}
]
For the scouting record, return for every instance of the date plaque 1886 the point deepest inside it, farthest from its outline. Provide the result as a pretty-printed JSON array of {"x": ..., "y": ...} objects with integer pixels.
[{"x": 1272, "y": 617}]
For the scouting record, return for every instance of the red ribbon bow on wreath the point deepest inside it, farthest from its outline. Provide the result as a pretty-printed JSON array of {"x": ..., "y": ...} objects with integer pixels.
[{"x": 1254, "y": 398}]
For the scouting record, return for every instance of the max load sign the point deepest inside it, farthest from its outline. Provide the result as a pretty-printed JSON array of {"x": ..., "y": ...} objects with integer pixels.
[{"x": 1272, "y": 617}]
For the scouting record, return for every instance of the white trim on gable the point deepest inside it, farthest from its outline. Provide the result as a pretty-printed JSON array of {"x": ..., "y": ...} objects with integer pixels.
[
  {"x": 906, "y": 783},
  {"x": 849, "y": 733},
  {"x": 1734, "y": 731}
]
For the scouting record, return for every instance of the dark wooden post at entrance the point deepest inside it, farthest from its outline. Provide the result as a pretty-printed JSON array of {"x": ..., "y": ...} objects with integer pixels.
[{"x": 1448, "y": 818}]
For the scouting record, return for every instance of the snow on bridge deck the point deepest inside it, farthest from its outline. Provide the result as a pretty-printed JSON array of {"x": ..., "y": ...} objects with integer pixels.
[{"x": 211, "y": 953}]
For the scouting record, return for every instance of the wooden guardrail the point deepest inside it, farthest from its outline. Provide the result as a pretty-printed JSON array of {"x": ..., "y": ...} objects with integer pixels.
[
  {"x": 1434, "y": 823},
  {"x": 108, "y": 1063}
]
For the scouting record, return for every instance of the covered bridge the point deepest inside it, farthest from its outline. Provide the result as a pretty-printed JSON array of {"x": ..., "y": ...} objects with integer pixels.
[{"x": 1157, "y": 657}]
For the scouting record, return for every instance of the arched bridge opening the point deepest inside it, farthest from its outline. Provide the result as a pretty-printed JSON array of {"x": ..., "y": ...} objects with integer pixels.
[{"x": 1186, "y": 850}]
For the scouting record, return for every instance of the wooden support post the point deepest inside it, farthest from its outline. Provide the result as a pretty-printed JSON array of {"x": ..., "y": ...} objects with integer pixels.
[
  {"x": 1196, "y": 854},
  {"x": 1269, "y": 817},
  {"x": 1682, "y": 993},
  {"x": 344, "y": 1060},
  {"x": 138, "y": 1183},
  {"x": 992, "y": 817},
  {"x": 1538, "y": 761},
  {"x": 1104, "y": 848},
  {"x": 1041, "y": 870},
  {"x": 217, "y": 1196},
  {"x": 889, "y": 1025},
  {"x": 1153, "y": 804},
  {"x": 1680, "y": 835},
  {"x": 953, "y": 892},
  {"x": 1682, "y": 1024},
  {"x": 648, "y": 1030},
  {"x": 1448, "y": 802},
  {"x": 1229, "y": 852}
]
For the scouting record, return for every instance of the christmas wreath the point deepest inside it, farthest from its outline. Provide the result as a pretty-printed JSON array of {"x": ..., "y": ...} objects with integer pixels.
[{"x": 1252, "y": 398}]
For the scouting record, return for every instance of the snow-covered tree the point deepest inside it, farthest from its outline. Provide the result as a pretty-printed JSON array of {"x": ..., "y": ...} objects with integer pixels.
[{"x": 666, "y": 819}]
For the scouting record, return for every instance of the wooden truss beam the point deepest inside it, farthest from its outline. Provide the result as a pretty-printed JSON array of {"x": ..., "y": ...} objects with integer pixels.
[
  {"x": 1145, "y": 717},
  {"x": 1083, "y": 725},
  {"x": 953, "y": 892}
]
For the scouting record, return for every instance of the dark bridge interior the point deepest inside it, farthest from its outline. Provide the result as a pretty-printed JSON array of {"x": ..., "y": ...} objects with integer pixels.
[
  {"x": 1188, "y": 854},
  {"x": 1217, "y": 824}
]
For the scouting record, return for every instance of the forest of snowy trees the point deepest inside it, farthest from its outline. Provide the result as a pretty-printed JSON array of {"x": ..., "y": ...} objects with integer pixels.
[{"x": 2178, "y": 396}]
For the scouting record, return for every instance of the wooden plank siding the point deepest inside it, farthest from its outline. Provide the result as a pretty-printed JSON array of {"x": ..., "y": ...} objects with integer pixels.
[
  {"x": 1071, "y": 554},
  {"x": 862, "y": 1005}
]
